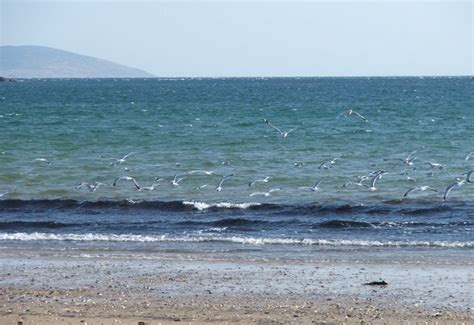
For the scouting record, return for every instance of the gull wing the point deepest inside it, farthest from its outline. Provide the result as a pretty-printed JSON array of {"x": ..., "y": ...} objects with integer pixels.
[
  {"x": 257, "y": 193},
  {"x": 450, "y": 188},
  {"x": 360, "y": 116},
  {"x": 410, "y": 190},
  {"x": 128, "y": 155},
  {"x": 317, "y": 183},
  {"x": 273, "y": 126}
]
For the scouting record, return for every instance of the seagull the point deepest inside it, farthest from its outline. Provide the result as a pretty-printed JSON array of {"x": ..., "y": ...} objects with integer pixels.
[
  {"x": 176, "y": 180},
  {"x": 420, "y": 188},
  {"x": 468, "y": 156},
  {"x": 331, "y": 162},
  {"x": 42, "y": 160},
  {"x": 264, "y": 180},
  {"x": 376, "y": 172},
  {"x": 201, "y": 187},
  {"x": 127, "y": 178},
  {"x": 219, "y": 186},
  {"x": 121, "y": 160},
  {"x": 353, "y": 183},
  {"x": 451, "y": 187},
  {"x": 313, "y": 188},
  {"x": 203, "y": 172},
  {"x": 359, "y": 183},
  {"x": 375, "y": 178},
  {"x": 409, "y": 160},
  {"x": 436, "y": 165},
  {"x": 265, "y": 193},
  {"x": 152, "y": 186},
  {"x": 468, "y": 176},
  {"x": 283, "y": 134},
  {"x": 90, "y": 187},
  {"x": 351, "y": 111}
]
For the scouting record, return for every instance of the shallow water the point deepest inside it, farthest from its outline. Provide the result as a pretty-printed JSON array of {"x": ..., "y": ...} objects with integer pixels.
[{"x": 173, "y": 126}]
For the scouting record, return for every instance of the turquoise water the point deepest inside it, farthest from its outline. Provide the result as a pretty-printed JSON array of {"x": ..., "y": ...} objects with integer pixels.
[{"x": 173, "y": 126}]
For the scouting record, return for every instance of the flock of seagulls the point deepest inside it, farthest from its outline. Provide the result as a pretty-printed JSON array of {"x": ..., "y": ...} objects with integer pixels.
[
  {"x": 409, "y": 160},
  {"x": 369, "y": 181}
]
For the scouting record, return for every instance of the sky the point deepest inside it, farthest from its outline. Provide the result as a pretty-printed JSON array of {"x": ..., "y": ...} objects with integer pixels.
[{"x": 254, "y": 38}]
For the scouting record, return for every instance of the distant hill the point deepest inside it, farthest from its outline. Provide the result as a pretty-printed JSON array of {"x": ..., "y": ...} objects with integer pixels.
[{"x": 46, "y": 62}]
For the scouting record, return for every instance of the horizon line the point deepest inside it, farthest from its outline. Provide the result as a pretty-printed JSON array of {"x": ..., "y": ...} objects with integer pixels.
[{"x": 252, "y": 77}]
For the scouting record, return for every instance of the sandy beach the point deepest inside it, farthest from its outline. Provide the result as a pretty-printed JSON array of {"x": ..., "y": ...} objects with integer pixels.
[{"x": 64, "y": 287}]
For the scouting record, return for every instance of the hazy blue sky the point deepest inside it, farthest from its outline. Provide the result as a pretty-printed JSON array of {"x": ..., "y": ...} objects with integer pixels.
[{"x": 254, "y": 38}]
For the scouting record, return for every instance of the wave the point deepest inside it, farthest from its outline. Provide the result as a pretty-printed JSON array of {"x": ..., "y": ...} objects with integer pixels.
[
  {"x": 34, "y": 224},
  {"x": 74, "y": 204},
  {"x": 226, "y": 205},
  {"x": 228, "y": 222},
  {"x": 37, "y": 236},
  {"x": 407, "y": 209},
  {"x": 239, "y": 224},
  {"x": 345, "y": 224}
]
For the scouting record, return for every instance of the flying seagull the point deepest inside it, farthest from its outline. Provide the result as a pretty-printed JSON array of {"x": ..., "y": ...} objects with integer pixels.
[
  {"x": 468, "y": 176},
  {"x": 328, "y": 164},
  {"x": 219, "y": 186},
  {"x": 176, "y": 180},
  {"x": 90, "y": 187},
  {"x": 313, "y": 188},
  {"x": 374, "y": 179},
  {"x": 283, "y": 134},
  {"x": 127, "y": 178},
  {"x": 436, "y": 165},
  {"x": 452, "y": 187},
  {"x": 420, "y": 188},
  {"x": 352, "y": 112},
  {"x": 202, "y": 172},
  {"x": 265, "y": 193},
  {"x": 263, "y": 180},
  {"x": 121, "y": 160},
  {"x": 42, "y": 160},
  {"x": 201, "y": 187},
  {"x": 408, "y": 160},
  {"x": 152, "y": 187},
  {"x": 359, "y": 183}
]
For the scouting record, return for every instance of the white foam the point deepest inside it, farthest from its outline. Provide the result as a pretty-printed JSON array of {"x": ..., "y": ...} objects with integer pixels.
[
  {"x": 37, "y": 236},
  {"x": 227, "y": 205}
]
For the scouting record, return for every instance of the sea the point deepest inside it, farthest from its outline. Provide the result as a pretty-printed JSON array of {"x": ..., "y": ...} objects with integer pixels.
[{"x": 366, "y": 141}]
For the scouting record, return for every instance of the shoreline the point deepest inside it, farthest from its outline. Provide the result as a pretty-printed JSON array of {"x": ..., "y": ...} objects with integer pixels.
[{"x": 51, "y": 288}]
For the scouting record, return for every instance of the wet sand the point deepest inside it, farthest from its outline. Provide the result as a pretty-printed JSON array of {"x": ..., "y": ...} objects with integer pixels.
[{"x": 64, "y": 287}]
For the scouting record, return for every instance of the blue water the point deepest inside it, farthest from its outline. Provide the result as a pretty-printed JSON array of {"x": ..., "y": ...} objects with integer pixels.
[{"x": 173, "y": 126}]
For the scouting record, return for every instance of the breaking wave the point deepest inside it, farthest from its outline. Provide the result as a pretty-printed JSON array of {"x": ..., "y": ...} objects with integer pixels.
[{"x": 38, "y": 236}]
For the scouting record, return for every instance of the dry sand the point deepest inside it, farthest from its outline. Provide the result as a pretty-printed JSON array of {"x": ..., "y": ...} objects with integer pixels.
[{"x": 51, "y": 287}]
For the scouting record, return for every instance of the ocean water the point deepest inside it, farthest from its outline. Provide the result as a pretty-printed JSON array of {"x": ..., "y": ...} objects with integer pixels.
[{"x": 56, "y": 134}]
